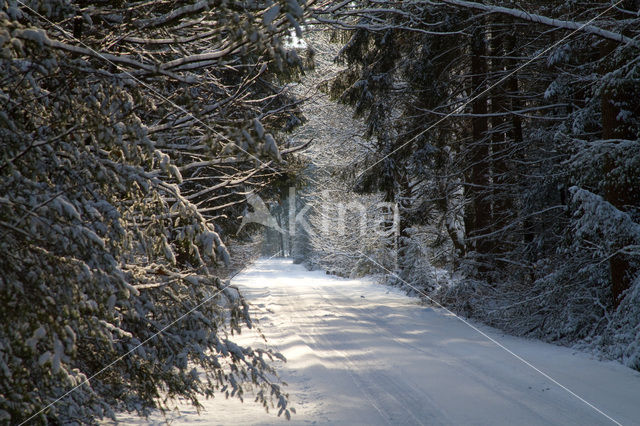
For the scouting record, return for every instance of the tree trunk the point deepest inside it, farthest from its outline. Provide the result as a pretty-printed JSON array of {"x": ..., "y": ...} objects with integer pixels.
[
  {"x": 612, "y": 97},
  {"x": 402, "y": 237},
  {"x": 502, "y": 209},
  {"x": 515, "y": 133},
  {"x": 478, "y": 179}
]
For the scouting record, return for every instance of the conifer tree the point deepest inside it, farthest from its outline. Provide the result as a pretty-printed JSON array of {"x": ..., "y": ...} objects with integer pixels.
[{"x": 130, "y": 131}]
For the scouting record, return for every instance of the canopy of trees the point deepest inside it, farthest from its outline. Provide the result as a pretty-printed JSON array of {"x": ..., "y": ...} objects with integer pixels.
[{"x": 130, "y": 132}]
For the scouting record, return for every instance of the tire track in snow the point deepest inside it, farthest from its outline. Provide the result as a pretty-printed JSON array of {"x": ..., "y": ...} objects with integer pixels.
[
  {"x": 312, "y": 343},
  {"x": 407, "y": 390},
  {"x": 387, "y": 399},
  {"x": 474, "y": 370}
]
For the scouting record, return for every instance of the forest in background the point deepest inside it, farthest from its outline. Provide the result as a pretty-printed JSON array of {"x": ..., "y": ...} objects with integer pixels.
[{"x": 508, "y": 139}]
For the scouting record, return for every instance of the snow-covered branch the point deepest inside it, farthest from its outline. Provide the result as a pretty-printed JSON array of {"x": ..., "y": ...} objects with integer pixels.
[{"x": 539, "y": 19}]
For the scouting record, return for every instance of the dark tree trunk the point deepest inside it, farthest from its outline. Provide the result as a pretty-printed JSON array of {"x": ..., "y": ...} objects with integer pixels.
[
  {"x": 615, "y": 193},
  {"x": 515, "y": 132},
  {"x": 403, "y": 203},
  {"x": 478, "y": 178},
  {"x": 502, "y": 208}
]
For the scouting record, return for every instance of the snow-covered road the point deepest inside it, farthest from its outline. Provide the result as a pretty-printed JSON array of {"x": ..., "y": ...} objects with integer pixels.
[{"x": 362, "y": 353}]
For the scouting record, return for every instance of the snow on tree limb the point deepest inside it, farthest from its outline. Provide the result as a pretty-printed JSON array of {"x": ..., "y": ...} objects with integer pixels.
[
  {"x": 551, "y": 22},
  {"x": 39, "y": 36},
  {"x": 99, "y": 121}
]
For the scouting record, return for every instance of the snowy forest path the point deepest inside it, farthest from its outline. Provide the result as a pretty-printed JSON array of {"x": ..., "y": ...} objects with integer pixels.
[{"x": 363, "y": 353}]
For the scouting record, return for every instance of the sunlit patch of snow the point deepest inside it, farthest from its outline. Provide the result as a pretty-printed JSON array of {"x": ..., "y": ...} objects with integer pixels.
[{"x": 295, "y": 42}]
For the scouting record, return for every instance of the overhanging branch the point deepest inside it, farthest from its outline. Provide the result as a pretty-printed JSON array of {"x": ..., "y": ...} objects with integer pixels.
[{"x": 551, "y": 22}]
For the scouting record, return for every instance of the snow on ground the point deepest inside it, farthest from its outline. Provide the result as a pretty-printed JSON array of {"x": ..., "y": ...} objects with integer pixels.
[{"x": 362, "y": 353}]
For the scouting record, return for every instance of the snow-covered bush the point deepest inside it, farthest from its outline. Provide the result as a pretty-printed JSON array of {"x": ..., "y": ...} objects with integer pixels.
[
  {"x": 621, "y": 336},
  {"x": 417, "y": 273}
]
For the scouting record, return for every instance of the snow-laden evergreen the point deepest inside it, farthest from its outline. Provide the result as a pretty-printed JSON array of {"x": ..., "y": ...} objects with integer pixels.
[{"x": 130, "y": 133}]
